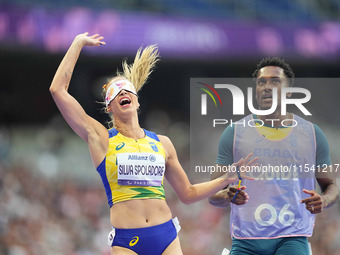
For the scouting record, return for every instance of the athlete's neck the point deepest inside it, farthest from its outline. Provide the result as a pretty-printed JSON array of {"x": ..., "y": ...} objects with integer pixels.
[
  {"x": 275, "y": 119},
  {"x": 130, "y": 129}
]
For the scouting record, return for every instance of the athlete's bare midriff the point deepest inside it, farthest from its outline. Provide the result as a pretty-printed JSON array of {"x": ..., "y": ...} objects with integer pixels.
[{"x": 139, "y": 213}]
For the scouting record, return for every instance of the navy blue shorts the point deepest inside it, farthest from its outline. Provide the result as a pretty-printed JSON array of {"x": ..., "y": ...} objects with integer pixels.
[{"x": 146, "y": 241}]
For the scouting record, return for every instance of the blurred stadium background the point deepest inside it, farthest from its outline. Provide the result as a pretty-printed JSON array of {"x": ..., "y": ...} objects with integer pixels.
[{"x": 51, "y": 198}]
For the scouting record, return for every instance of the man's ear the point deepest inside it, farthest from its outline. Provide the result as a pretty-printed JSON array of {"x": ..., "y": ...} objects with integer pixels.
[{"x": 289, "y": 94}]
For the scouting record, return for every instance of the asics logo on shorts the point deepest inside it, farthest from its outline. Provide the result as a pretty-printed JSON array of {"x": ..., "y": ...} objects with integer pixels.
[{"x": 134, "y": 241}]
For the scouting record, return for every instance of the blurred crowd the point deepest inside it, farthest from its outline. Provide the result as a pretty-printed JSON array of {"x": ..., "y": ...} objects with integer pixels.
[{"x": 50, "y": 217}]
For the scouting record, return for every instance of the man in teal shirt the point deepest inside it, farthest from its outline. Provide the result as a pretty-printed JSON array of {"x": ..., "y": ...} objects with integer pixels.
[{"x": 278, "y": 214}]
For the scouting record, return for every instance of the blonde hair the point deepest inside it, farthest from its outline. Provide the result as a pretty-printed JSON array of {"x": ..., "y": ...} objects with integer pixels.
[{"x": 138, "y": 72}]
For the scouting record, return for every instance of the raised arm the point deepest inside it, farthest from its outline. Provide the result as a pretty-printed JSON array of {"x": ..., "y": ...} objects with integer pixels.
[
  {"x": 86, "y": 127},
  {"x": 179, "y": 181}
]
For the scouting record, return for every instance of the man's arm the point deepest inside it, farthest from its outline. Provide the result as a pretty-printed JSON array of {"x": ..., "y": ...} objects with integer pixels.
[
  {"x": 325, "y": 177},
  {"x": 329, "y": 192},
  {"x": 329, "y": 189}
]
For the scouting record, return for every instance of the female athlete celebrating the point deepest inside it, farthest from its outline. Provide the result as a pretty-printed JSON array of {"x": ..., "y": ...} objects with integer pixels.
[{"x": 132, "y": 161}]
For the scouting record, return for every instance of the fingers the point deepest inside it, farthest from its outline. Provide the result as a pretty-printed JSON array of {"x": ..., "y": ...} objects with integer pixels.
[
  {"x": 314, "y": 203},
  {"x": 309, "y": 192},
  {"x": 248, "y": 157},
  {"x": 234, "y": 188},
  {"x": 240, "y": 162},
  {"x": 241, "y": 198},
  {"x": 248, "y": 177},
  {"x": 314, "y": 209},
  {"x": 238, "y": 200},
  {"x": 313, "y": 196},
  {"x": 94, "y": 36},
  {"x": 306, "y": 200},
  {"x": 251, "y": 162},
  {"x": 244, "y": 173},
  {"x": 246, "y": 161},
  {"x": 243, "y": 166},
  {"x": 98, "y": 39},
  {"x": 92, "y": 40}
]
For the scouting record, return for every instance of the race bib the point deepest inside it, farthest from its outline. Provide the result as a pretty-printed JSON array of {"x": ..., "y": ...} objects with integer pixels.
[{"x": 140, "y": 169}]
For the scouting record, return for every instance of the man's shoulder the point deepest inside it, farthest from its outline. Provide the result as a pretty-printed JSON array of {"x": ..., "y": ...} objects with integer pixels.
[{"x": 300, "y": 120}]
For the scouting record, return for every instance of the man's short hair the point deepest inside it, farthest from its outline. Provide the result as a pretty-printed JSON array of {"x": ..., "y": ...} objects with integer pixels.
[{"x": 279, "y": 62}]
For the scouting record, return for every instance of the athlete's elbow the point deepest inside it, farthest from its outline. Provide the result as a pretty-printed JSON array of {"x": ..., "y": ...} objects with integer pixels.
[
  {"x": 187, "y": 200},
  {"x": 188, "y": 197},
  {"x": 54, "y": 90},
  {"x": 57, "y": 93},
  {"x": 57, "y": 87}
]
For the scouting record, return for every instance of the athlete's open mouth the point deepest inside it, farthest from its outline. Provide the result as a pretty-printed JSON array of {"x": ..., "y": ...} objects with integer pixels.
[
  {"x": 125, "y": 101},
  {"x": 266, "y": 96}
]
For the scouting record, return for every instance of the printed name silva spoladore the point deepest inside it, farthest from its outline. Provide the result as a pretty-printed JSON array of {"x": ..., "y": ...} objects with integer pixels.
[{"x": 141, "y": 169}]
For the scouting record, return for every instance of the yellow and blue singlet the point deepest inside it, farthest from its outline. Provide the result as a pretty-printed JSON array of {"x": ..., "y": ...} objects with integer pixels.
[{"x": 119, "y": 143}]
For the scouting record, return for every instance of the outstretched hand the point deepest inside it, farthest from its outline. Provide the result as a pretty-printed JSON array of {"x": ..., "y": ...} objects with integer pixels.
[
  {"x": 242, "y": 166},
  {"x": 315, "y": 203},
  {"x": 93, "y": 40}
]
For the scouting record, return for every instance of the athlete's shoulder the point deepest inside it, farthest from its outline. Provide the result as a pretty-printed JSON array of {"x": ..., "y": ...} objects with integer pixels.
[
  {"x": 164, "y": 140},
  {"x": 112, "y": 132},
  {"x": 152, "y": 135}
]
